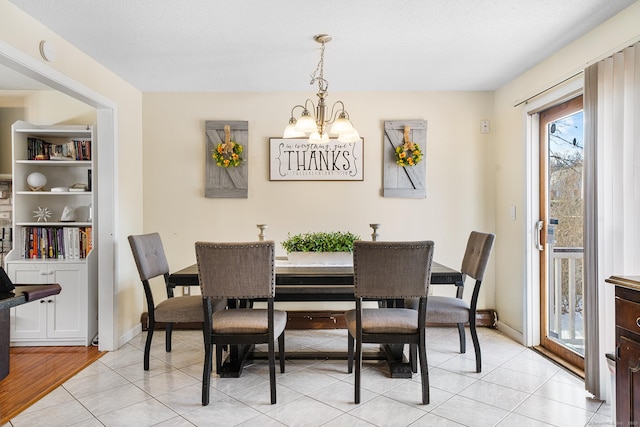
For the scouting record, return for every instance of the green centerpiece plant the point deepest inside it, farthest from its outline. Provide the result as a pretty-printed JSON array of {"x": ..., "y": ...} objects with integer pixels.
[{"x": 335, "y": 241}]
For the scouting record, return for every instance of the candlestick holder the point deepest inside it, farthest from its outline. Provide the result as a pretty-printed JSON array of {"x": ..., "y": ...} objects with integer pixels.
[
  {"x": 262, "y": 227},
  {"x": 374, "y": 235}
]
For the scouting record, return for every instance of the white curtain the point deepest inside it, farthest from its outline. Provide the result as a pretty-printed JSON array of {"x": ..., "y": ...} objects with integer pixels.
[{"x": 612, "y": 199}]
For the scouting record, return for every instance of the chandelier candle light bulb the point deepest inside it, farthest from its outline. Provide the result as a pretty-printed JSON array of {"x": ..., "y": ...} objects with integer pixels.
[{"x": 316, "y": 127}]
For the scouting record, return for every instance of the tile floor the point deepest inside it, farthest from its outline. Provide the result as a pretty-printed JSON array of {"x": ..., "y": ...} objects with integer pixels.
[{"x": 517, "y": 387}]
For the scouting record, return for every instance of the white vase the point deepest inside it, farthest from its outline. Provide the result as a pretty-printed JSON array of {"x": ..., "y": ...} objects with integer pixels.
[{"x": 320, "y": 258}]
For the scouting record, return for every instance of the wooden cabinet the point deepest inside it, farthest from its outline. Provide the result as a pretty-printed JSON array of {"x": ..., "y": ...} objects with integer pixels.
[
  {"x": 58, "y": 250},
  {"x": 627, "y": 303}
]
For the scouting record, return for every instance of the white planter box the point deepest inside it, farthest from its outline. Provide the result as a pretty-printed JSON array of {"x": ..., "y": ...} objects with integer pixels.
[{"x": 320, "y": 258}]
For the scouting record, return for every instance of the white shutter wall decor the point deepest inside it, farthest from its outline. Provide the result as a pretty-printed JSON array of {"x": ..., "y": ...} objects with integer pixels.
[
  {"x": 404, "y": 181},
  {"x": 226, "y": 182}
]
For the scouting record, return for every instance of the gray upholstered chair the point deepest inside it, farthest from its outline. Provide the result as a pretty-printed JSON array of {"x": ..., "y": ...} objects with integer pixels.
[
  {"x": 382, "y": 271},
  {"x": 239, "y": 271},
  {"x": 151, "y": 261},
  {"x": 455, "y": 310}
]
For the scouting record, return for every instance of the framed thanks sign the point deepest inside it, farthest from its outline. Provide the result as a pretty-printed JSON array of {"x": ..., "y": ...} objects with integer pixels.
[{"x": 300, "y": 160}]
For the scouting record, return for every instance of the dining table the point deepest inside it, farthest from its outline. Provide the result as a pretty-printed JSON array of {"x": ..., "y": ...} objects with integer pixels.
[{"x": 319, "y": 282}]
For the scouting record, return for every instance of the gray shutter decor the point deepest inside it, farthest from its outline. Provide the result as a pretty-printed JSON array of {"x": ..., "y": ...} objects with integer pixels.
[
  {"x": 404, "y": 181},
  {"x": 231, "y": 182}
]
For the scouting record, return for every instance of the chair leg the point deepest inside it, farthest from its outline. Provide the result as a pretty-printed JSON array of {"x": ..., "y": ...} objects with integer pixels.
[
  {"x": 147, "y": 345},
  {"x": 206, "y": 373},
  {"x": 476, "y": 344},
  {"x": 272, "y": 371},
  {"x": 358, "y": 370},
  {"x": 413, "y": 357},
  {"x": 349, "y": 353},
  {"x": 219, "y": 358},
  {"x": 281, "y": 353},
  {"x": 463, "y": 339},
  {"x": 424, "y": 373},
  {"x": 169, "y": 330}
]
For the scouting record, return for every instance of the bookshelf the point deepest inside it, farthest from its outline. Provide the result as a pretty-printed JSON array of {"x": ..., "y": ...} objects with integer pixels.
[{"x": 62, "y": 248}]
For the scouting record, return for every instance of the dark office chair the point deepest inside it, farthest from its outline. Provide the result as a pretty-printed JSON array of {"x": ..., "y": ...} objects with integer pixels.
[
  {"x": 450, "y": 310},
  {"x": 151, "y": 262},
  {"x": 239, "y": 271},
  {"x": 390, "y": 270}
]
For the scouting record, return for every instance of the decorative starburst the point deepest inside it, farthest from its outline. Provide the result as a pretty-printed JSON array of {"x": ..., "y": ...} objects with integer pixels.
[{"x": 42, "y": 214}]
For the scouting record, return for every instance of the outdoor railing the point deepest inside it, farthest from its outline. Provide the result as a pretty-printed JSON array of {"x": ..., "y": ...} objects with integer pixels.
[{"x": 566, "y": 304}]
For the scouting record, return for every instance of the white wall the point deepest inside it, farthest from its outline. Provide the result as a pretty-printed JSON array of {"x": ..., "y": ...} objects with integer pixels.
[{"x": 458, "y": 161}]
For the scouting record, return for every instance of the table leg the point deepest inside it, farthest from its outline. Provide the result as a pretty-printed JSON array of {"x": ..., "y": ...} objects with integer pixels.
[
  {"x": 237, "y": 358},
  {"x": 399, "y": 366},
  {"x": 4, "y": 343}
]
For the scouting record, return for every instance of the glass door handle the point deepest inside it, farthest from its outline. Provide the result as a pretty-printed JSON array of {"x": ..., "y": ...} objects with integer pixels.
[{"x": 538, "y": 235}]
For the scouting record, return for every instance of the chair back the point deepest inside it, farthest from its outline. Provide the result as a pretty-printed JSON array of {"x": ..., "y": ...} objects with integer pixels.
[
  {"x": 236, "y": 270},
  {"x": 392, "y": 269},
  {"x": 149, "y": 255},
  {"x": 476, "y": 256}
]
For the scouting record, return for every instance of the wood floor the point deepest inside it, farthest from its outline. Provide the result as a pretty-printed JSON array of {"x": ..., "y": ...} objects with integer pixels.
[{"x": 36, "y": 371}]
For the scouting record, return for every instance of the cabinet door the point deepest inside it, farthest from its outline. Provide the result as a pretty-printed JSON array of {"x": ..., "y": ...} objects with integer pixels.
[
  {"x": 29, "y": 273},
  {"x": 65, "y": 316},
  {"x": 628, "y": 382},
  {"x": 29, "y": 321}
]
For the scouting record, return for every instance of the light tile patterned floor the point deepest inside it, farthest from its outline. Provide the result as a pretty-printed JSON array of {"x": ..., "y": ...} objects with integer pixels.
[{"x": 517, "y": 387}]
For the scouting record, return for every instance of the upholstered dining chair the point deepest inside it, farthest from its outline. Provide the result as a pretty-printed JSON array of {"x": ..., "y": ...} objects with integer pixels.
[
  {"x": 151, "y": 261},
  {"x": 383, "y": 271},
  {"x": 455, "y": 310},
  {"x": 239, "y": 271}
]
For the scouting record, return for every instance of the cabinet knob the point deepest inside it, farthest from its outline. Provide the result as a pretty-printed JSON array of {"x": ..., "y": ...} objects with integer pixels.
[{"x": 638, "y": 322}]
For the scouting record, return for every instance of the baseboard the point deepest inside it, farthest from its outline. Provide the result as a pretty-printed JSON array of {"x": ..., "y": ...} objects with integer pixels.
[
  {"x": 128, "y": 335},
  {"x": 323, "y": 319},
  {"x": 515, "y": 335}
]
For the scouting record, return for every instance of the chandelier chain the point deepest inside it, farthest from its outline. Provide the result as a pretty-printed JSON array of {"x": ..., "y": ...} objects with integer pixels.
[{"x": 318, "y": 74}]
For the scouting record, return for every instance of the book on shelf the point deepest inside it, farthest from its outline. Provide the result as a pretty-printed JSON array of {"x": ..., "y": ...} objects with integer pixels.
[
  {"x": 55, "y": 242},
  {"x": 38, "y": 149}
]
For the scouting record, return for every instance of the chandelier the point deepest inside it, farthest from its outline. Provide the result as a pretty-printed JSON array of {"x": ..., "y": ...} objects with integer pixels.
[{"x": 317, "y": 128}]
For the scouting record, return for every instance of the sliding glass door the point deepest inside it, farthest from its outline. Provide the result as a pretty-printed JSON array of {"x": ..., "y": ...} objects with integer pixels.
[{"x": 560, "y": 231}]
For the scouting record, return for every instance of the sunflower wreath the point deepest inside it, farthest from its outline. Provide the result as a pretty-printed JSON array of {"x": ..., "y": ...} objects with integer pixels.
[
  {"x": 408, "y": 154},
  {"x": 228, "y": 154}
]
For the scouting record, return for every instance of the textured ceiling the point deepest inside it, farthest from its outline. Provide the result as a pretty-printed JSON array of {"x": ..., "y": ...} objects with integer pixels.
[{"x": 378, "y": 45}]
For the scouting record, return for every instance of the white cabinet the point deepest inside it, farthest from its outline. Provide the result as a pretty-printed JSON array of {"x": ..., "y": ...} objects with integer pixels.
[
  {"x": 60, "y": 249},
  {"x": 62, "y": 319}
]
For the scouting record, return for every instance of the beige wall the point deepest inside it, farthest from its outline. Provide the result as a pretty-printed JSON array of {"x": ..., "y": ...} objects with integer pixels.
[
  {"x": 509, "y": 138},
  {"x": 24, "y": 33},
  {"x": 458, "y": 161},
  {"x": 12, "y": 108}
]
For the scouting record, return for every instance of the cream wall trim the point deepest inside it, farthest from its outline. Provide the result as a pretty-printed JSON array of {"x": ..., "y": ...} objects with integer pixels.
[
  {"x": 531, "y": 295},
  {"x": 19, "y": 61},
  {"x": 510, "y": 332},
  {"x": 30, "y": 67},
  {"x": 106, "y": 131}
]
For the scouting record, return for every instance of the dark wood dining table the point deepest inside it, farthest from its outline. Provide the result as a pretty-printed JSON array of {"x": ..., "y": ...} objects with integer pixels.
[{"x": 299, "y": 283}]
